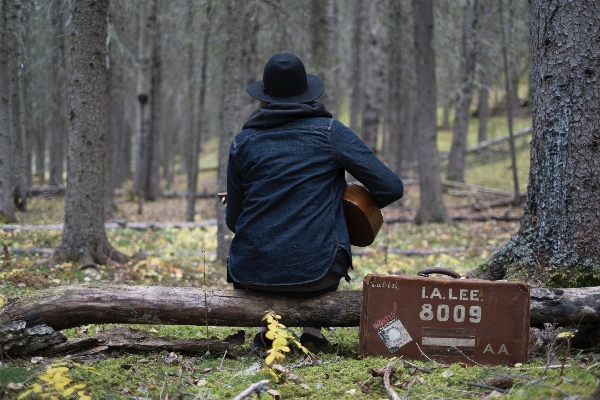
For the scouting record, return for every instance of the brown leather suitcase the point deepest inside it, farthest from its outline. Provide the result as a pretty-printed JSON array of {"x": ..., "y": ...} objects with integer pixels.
[{"x": 472, "y": 321}]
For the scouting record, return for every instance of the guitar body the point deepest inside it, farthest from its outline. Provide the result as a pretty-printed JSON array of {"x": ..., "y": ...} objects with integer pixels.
[{"x": 363, "y": 216}]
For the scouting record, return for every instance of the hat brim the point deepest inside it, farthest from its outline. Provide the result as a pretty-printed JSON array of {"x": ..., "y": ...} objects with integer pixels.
[{"x": 314, "y": 91}]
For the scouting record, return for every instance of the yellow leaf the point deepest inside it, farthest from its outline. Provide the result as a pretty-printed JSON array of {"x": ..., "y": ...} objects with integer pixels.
[
  {"x": 279, "y": 341},
  {"x": 68, "y": 391},
  {"x": 566, "y": 335},
  {"x": 282, "y": 333},
  {"x": 53, "y": 398},
  {"x": 60, "y": 386},
  {"x": 24, "y": 394},
  {"x": 270, "y": 359},
  {"x": 284, "y": 348},
  {"x": 270, "y": 335},
  {"x": 79, "y": 386},
  {"x": 83, "y": 396},
  {"x": 44, "y": 395},
  {"x": 36, "y": 387}
]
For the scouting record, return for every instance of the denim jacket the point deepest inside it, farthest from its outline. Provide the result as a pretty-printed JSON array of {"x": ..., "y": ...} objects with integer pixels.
[{"x": 285, "y": 184}]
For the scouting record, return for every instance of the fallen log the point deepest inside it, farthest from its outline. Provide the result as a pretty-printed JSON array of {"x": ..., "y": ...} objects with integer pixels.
[{"x": 33, "y": 319}]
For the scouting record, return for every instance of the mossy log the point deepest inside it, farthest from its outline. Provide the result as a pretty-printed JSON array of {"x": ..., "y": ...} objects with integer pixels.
[{"x": 35, "y": 318}]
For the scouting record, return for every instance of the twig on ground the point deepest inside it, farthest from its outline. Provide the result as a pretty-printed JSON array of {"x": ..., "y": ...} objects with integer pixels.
[
  {"x": 483, "y": 386},
  {"x": 417, "y": 367},
  {"x": 258, "y": 387},
  {"x": 386, "y": 382}
]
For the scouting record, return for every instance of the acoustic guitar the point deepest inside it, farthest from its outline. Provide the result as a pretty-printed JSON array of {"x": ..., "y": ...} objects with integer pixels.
[{"x": 363, "y": 216}]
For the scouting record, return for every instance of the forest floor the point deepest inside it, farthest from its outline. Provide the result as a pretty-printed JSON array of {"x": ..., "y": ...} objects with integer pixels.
[{"x": 186, "y": 257}]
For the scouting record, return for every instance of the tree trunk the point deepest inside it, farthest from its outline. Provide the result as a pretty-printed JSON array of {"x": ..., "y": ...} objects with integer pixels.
[
  {"x": 374, "y": 76},
  {"x": 395, "y": 72},
  {"x": 16, "y": 103},
  {"x": 23, "y": 321},
  {"x": 232, "y": 82},
  {"x": 355, "y": 66},
  {"x": 7, "y": 212},
  {"x": 84, "y": 237},
  {"x": 456, "y": 160},
  {"x": 58, "y": 117},
  {"x": 431, "y": 207},
  {"x": 483, "y": 105},
  {"x": 322, "y": 31},
  {"x": 146, "y": 99},
  {"x": 559, "y": 237}
]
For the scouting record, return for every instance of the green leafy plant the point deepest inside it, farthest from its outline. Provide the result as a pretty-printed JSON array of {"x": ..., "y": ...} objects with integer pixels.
[{"x": 278, "y": 333}]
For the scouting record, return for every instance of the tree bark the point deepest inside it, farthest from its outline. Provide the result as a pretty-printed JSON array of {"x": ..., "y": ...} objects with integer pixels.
[
  {"x": 16, "y": 103},
  {"x": 191, "y": 127},
  {"x": 58, "y": 118},
  {"x": 41, "y": 314},
  {"x": 7, "y": 212},
  {"x": 559, "y": 237},
  {"x": 322, "y": 31},
  {"x": 431, "y": 207},
  {"x": 146, "y": 152},
  {"x": 355, "y": 65},
  {"x": 232, "y": 82},
  {"x": 456, "y": 161},
  {"x": 373, "y": 81},
  {"x": 84, "y": 236},
  {"x": 483, "y": 104}
]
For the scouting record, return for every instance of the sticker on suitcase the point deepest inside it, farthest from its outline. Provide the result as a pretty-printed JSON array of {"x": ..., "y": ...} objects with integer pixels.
[{"x": 392, "y": 332}]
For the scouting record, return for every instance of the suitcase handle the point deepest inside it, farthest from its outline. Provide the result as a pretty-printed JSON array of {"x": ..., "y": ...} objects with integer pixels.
[{"x": 425, "y": 272}]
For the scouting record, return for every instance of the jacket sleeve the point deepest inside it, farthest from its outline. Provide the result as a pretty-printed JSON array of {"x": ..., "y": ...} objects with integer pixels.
[
  {"x": 356, "y": 158},
  {"x": 235, "y": 192}
]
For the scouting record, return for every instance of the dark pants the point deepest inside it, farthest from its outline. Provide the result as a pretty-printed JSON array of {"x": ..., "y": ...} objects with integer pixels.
[{"x": 328, "y": 283}]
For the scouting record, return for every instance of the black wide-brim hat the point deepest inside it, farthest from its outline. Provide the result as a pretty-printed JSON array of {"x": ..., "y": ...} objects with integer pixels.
[{"x": 285, "y": 81}]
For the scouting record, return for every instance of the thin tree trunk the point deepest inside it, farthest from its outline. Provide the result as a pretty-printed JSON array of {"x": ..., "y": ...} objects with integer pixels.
[
  {"x": 456, "y": 160},
  {"x": 509, "y": 108},
  {"x": 322, "y": 21},
  {"x": 58, "y": 118},
  {"x": 559, "y": 237},
  {"x": 483, "y": 105},
  {"x": 191, "y": 155},
  {"x": 232, "y": 82},
  {"x": 431, "y": 207},
  {"x": 153, "y": 165},
  {"x": 146, "y": 98},
  {"x": 84, "y": 236},
  {"x": 397, "y": 105},
  {"x": 355, "y": 66},
  {"x": 373, "y": 83},
  {"x": 16, "y": 103},
  {"x": 7, "y": 212}
]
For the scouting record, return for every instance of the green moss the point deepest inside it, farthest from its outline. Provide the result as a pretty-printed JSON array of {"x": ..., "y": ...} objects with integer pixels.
[{"x": 574, "y": 279}]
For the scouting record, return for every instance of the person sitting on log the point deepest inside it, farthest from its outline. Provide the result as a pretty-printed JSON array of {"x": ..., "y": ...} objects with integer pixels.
[{"x": 285, "y": 181}]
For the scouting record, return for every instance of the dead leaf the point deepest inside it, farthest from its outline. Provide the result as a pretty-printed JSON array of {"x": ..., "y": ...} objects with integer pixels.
[
  {"x": 500, "y": 381},
  {"x": 126, "y": 390},
  {"x": 202, "y": 382},
  {"x": 274, "y": 393},
  {"x": 447, "y": 373},
  {"x": 14, "y": 386},
  {"x": 493, "y": 395},
  {"x": 206, "y": 370},
  {"x": 294, "y": 378},
  {"x": 351, "y": 391},
  {"x": 304, "y": 386}
]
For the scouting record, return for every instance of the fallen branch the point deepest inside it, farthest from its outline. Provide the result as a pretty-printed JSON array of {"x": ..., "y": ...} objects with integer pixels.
[
  {"x": 35, "y": 317},
  {"x": 258, "y": 387},
  {"x": 387, "y": 372}
]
